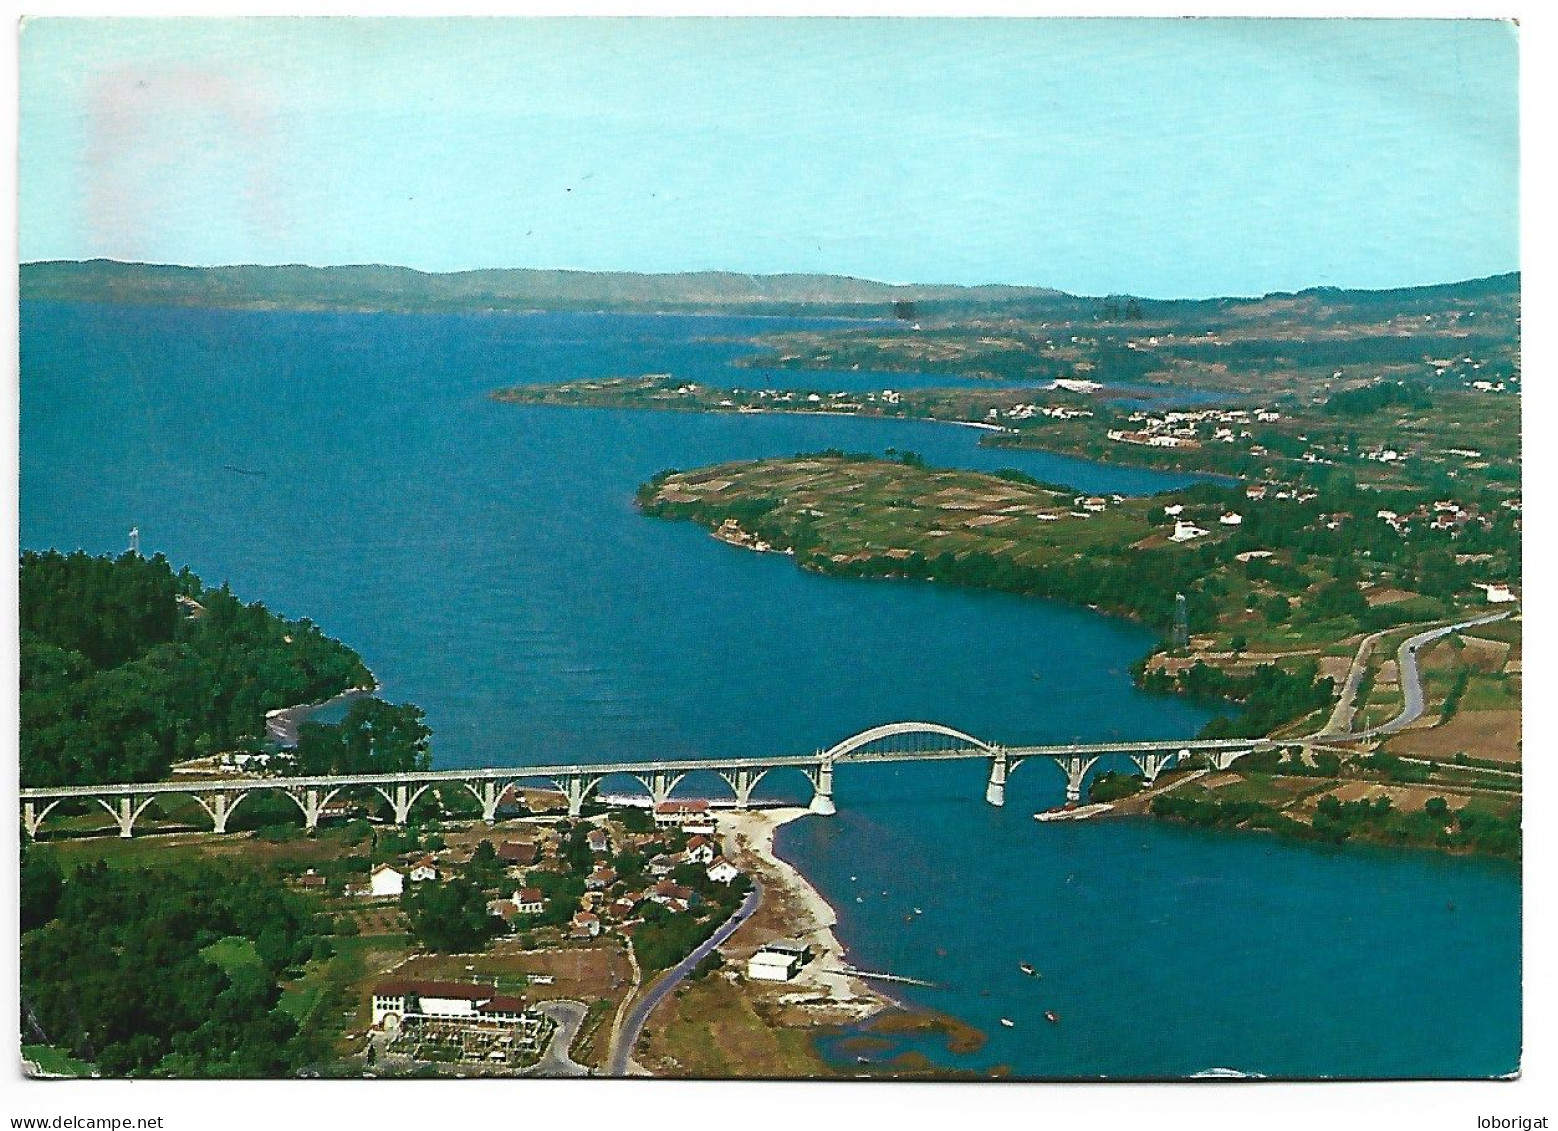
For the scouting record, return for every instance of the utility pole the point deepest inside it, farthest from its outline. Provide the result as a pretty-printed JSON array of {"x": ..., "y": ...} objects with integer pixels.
[{"x": 1181, "y": 638}]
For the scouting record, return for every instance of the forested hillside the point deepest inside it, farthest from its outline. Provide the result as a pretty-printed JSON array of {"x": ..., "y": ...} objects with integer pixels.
[{"x": 128, "y": 667}]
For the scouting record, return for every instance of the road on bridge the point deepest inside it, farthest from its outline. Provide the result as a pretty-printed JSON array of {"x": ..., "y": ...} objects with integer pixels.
[{"x": 627, "y": 1037}]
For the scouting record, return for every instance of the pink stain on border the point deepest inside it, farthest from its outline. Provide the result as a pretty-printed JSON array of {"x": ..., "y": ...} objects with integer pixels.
[{"x": 148, "y": 130}]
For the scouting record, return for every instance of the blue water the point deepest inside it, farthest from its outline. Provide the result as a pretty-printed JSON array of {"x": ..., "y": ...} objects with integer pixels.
[{"x": 487, "y": 561}]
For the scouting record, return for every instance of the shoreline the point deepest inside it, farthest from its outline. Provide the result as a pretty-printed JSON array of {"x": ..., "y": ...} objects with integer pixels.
[
  {"x": 281, "y": 724},
  {"x": 811, "y": 917}
]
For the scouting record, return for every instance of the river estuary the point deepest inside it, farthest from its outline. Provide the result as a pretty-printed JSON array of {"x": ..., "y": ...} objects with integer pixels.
[{"x": 488, "y": 563}]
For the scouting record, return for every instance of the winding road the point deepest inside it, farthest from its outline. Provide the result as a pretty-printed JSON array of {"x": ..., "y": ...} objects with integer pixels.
[
  {"x": 627, "y": 1036},
  {"x": 1410, "y": 679}
]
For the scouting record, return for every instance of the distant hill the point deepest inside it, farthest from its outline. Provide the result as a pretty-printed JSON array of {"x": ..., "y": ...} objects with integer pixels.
[{"x": 404, "y": 289}]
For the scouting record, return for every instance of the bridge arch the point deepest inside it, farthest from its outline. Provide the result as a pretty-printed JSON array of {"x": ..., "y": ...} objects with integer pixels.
[
  {"x": 894, "y": 730},
  {"x": 219, "y": 811}
]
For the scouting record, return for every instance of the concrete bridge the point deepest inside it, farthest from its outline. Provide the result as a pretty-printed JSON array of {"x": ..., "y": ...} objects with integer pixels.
[{"x": 894, "y": 742}]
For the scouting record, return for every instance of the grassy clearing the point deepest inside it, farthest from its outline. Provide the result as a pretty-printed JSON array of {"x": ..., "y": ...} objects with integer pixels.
[
  {"x": 232, "y": 954},
  {"x": 712, "y": 1028}
]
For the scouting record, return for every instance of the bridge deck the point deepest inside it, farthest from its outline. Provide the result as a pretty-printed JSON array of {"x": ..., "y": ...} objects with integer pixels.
[{"x": 514, "y": 774}]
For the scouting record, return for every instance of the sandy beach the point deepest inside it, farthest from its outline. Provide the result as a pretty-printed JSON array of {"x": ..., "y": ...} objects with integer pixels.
[
  {"x": 796, "y": 910},
  {"x": 281, "y": 725}
]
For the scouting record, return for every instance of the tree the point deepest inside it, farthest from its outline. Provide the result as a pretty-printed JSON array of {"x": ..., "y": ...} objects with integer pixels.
[
  {"x": 450, "y": 917},
  {"x": 484, "y": 869},
  {"x": 1437, "y": 808},
  {"x": 41, "y": 885}
]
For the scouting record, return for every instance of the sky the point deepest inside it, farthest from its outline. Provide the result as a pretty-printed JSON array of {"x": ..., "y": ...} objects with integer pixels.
[{"x": 1153, "y": 157}]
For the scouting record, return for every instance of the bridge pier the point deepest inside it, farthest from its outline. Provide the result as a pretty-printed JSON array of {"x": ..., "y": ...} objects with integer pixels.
[
  {"x": 310, "y": 802},
  {"x": 742, "y": 782},
  {"x": 30, "y": 819},
  {"x": 220, "y": 806},
  {"x": 124, "y": 811},
  {"x": 822, "y": 797},
  {"x": 995, "y": 791},
  {"x": 660, "y": 786},
  {"x": 1154, "y": 763},
  {"x": 1224, "y": 759},
  {"x": 573, "y": 789},
  {"x": 487, "y": 792},
  {"x": 1075, "y": 767}
]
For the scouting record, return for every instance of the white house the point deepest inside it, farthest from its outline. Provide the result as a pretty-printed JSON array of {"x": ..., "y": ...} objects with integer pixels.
[
  {"x": 700, "y": 850},
  {"x": 385, "y": 880},
  {"x": 529, "y": 901},
  {"x": 1185, "y": 531},
  {"x": 1175, "y": 510},
  {"x": 722, "y": 871},
  {"x": 1231, "y": 519},
  {"x": 778, "y": 961},
  {"x": 424, "y": 869},
  {"x": 1498, "y": 594}
]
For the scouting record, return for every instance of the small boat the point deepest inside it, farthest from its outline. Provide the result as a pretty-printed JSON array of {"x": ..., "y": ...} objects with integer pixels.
[
  {"x": 859, "y": 899},
  {"x": 1008, "y": 1022},
  {"x": 1052, "y": 1017},
  {"x": 908, "y": 918},
  {"x": 917, "y": 911},
  {"x": 941, "y": 952},
  {"x": 1026, "y": 968}
]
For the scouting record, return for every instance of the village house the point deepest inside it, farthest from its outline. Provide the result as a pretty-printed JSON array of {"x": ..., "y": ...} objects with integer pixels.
[
  {"x": 676, "y": 813},
  {"x": 599, "y": 842},
  {"x": 662, "y": 864},
  {"x": 422, "y": 869},
  {"x": 311, "y": 879},
  {"x": 529, "y": 901},
  {"x": 385, "y": 881},
  {"x": 585, "y": 925},
  {"x": 521, "y": 853},
  {"x": 1232, "y": 519},
  {"x": 338, "y": 810},
  {"x": 1185, "y": 531},
  {"x": 1498, "y": 593},
  {"x": 700, "y": 850},
  {"x": 722, "y": 871},
  {"x": 601, "y": 878},
  {"x": 674, "y": 896},
  {"x": 1255, "y": 492}
]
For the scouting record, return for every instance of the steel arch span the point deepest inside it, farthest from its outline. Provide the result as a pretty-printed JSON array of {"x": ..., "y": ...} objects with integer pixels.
[{"x": 893, "y": 730}]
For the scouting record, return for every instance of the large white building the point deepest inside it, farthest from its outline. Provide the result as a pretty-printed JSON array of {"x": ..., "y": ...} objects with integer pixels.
[{"x": 395, "y": 1002}]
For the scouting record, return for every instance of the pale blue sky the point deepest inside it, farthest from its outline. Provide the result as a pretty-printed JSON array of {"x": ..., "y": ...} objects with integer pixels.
[{"x": 1169, "y": 157}]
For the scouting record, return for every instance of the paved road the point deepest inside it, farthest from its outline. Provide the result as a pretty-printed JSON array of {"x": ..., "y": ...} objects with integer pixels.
[
  {"x": 569, "y": 1015},
  {"x": 1340, "y": 721},
  {"x": 627, "y": 1038},
  {"x": 1411, "y": 679}
]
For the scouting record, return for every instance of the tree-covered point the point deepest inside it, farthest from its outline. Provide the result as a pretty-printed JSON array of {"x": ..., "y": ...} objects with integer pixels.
[
  {"x": 128, "y": 667},
  {"x": 375, "y": 737},
  {"x": 127, "y": 968}
]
